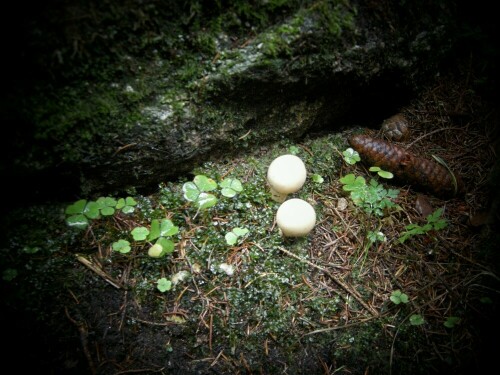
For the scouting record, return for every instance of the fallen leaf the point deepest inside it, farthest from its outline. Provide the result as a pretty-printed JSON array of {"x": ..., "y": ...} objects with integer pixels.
[{"x": 423, "y": 206}]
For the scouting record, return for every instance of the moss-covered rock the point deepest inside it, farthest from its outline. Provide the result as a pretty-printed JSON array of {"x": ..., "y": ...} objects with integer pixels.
[{"x": 131, "y": 95}]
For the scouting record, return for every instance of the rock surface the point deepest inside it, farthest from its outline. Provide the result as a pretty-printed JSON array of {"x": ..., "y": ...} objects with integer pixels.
[{"x": 324, "y": 66}]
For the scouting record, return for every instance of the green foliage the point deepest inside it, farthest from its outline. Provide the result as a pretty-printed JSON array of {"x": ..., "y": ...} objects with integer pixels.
[
  {"x": 398, "y": 297},
  {"x": 351, "y": 156},
  {"x": 140, "y": 233},
  {"x": 434, "y": 222},
  {"x": 105, "y": 205},
  {"x": 372, "y": 197},
  {"x": 163, "y": 285},
  {"x": 294, "y": 150},
  {"x": 163, "y": 228},
  {"x": 122, "y": 246},
  {"x": 231, "y": 187},
  {"x": 126, "y": 205},
  {"x": 416, "y": 320},
  {"x": 375, "y": 236},
  {"x": 336, "y": 17},
  {"x": 159, "y": 231},
  {"x": 451, "y": 321},
  {"x": 31, "y": 249},
  {"x": 79, "y": 213},
  {"x": 381, "y": 172},
  {"x": 196, "y": 191},
  {"x": 9, "y": 274},
  {"x": 233, "y": 236},
  {"x": 317, "y": 178},
  {"x": 486, "y": 300}
]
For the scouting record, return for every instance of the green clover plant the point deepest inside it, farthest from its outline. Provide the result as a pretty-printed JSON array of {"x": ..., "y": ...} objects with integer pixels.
[
  {"x": 160, "y": 231},
  {"x": 381, "y": 172},
  {"x": 317, "y": 178},
  {"x": 197, "y": 191},
  {"x": 9, "y": 274},
  {"x": 416, "y": 320},
  {"x": 126, "y": 205},
  {"x": 231, "y": 187},
  {"x": 451, "y": 321},
  {"x": 122, "y": 246},
  {"x": 233, "y": 236},
  {"x": 351, "y": 156},
  {"x": 163, "y": 285},
  {"x": 79, "y": 213},
  {"x": 398, "y": 297}
]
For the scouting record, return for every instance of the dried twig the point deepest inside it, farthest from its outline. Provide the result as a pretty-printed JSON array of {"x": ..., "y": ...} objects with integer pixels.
[{"x": 97, "y": 269}]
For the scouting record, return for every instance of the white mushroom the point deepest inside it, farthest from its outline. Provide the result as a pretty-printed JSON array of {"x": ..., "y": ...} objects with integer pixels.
[
  {"x": 296, "y": 218},
  {"x": 285, "y": 175}
]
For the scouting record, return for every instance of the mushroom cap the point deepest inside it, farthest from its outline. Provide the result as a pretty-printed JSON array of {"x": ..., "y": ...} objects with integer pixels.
[
  {"x": 296, "y": 218},
  {"x": 286, "y": 174}
]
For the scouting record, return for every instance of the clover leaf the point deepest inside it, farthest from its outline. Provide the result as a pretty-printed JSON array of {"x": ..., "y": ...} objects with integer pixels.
[
  {"x": 351, "y": 156},
  {"x": 140, "y": 233},
  {"x": 231, "y": 187},
  {"x": 122, "y": 246},
  {"x": 164, "y": 285}
]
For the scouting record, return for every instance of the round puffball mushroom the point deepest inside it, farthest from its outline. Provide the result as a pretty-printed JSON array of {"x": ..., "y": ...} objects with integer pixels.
[
  {"x": 286, "y": 174},
  {"x": 295, "y": 218}
]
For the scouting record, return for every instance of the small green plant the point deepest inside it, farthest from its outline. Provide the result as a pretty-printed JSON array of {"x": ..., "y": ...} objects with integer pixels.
[
  {"x": 372, "y": 197},
  {"x": 197, "y": 191},
  {"x": 381, "y": 172},
  {"x": 79, "y": 213},
  {"x": 398, "y": 297},
  {"x": 139, "y": 233},
  {"x": 294, "y": 150},
  {"x": 375, "y": 236},
  {"x": 163, "y": 285},
  {"x": 126, "y": 205},
  {"x": 160, "y": 230},
  {"x": 416, "y": 320},
  {"x": 233, "y": 236},
  {"x": 451, "y": 321},
  {"x": 31, "y": 249},
  {"x": 434, "y": 222},
  {"x": 122, "y": 246},
  {"x": 486, "y": 300},
  {"x": 351, "y": 156},
  {"x": 317, "y": 178},
  {"x": 231, "y": 187},
  {"x": 9, "y": 274}
]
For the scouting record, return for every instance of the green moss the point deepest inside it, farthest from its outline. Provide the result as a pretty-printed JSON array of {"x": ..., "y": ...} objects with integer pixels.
[{"x": 114, "y": 92}]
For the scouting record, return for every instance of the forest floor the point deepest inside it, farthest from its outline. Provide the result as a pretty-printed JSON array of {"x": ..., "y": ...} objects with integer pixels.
[{"x": 351, "y": 298}]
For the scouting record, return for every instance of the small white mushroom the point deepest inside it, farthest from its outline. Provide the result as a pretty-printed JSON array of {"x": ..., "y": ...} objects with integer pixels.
[
  {"x": 285, "y": 175},
  {"x": 295, "y": 218}
]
